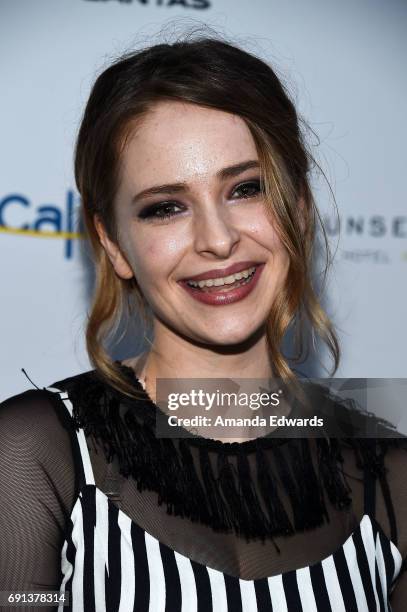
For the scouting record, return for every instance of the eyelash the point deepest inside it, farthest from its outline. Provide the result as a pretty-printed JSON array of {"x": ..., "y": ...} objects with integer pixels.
[{"x": 150, "y": 211}]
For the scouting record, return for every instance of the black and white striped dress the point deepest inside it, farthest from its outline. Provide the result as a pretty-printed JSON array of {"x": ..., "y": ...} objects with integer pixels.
[{"x": 109, "y": 564}]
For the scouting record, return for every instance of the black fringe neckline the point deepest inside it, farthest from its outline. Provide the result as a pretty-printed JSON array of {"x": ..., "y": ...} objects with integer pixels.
[
  {"x": 215, "y": 484},
  {"x": 152, "y": 410}
]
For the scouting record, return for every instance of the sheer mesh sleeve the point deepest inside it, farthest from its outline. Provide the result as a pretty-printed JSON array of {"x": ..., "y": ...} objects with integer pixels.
[{"x": 37, "y": 489}]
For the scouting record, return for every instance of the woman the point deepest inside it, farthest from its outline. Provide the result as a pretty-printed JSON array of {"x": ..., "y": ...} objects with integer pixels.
[{"x": 191, "y": 167}]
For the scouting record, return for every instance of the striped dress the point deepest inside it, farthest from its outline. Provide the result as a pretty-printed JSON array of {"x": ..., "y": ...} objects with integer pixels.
[{"x": 109, "y": 564}]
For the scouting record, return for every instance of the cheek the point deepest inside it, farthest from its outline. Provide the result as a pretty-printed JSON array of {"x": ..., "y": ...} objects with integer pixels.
[
  {"x": 155, "y": 257},
  {"x": 265, "y": 234},
  {"x": 262, "y": 230},
  {"x": 151, "y": 252},
  {"x": 149, "y": 260}
]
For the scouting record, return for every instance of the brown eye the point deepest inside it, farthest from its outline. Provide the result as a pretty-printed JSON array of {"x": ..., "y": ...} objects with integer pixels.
[
  {"x": 249, "y": 189},
  {"x": 163, "y": 210}
]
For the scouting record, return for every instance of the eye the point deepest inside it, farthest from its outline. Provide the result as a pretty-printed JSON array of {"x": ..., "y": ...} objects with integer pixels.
[
  {"x": 166, "y": 210},
  {"x": 249, "y": 189},
  {"x": 163, "y": 210}
]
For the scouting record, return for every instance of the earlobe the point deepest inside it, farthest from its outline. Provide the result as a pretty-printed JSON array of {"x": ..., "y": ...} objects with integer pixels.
[{"x": 117, "y": 259}]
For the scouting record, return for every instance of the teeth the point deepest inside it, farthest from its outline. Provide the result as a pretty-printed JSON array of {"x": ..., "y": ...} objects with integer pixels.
[{"x": 226, "y": 280}]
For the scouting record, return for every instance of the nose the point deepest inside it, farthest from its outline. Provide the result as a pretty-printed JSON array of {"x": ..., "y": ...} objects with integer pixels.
[{"x": 215, "y": 233}]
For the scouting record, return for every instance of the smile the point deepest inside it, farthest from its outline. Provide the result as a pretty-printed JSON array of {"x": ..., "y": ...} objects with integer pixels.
[
  {"x": 227, "y": 280},
  {"x": 224, "y": 290}
]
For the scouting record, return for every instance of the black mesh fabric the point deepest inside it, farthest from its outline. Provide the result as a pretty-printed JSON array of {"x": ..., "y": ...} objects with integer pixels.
[{"x": 39, "y": 486}]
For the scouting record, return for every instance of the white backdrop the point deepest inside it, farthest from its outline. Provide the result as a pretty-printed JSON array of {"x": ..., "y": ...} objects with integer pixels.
[{"x": 344, "y": 63}]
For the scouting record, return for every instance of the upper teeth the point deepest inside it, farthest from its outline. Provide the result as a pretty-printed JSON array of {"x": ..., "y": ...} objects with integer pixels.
[{"x": 226, "y": 280}]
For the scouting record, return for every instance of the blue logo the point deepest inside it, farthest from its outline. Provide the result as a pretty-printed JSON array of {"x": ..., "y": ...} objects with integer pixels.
[{"x": 44, "y": 221}]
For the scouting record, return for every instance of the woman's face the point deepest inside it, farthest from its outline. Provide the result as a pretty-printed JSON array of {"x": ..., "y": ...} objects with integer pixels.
[{"x": 214, "y": 217}]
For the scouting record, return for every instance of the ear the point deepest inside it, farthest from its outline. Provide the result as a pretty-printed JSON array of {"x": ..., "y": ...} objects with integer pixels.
[{"x": 118, "y": 260}]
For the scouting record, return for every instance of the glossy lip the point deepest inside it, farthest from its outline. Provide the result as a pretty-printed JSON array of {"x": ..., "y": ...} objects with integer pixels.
[
  {"x": 221, "y": 272},
  {"x": 222, "y": 298}
]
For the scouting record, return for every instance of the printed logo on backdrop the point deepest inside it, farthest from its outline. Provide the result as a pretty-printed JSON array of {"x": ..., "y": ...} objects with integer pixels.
[
  {"x": 370, "y": 233},
  {"x": 194, "y": 4},
  {"x": 20, "y": 216}
]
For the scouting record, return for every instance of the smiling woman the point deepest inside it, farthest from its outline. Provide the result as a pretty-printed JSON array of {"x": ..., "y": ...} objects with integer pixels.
[
  {"x": 184, "y": 180},
  {"x": 218, "y": 214},
  {"x": 194, "y": 178}
]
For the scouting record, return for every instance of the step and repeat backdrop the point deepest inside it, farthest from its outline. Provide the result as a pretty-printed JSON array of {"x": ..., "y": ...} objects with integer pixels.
[{"x": 344, "y": 65}]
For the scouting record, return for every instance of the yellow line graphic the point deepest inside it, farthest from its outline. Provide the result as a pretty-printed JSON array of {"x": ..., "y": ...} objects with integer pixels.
[{"x": 41, "y": 234}]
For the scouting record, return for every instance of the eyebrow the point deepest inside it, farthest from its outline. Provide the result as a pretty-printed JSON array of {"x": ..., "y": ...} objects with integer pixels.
[{"x": 222, "y": 174}]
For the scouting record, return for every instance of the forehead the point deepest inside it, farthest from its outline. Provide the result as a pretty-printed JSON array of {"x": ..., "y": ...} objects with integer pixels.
[{"x": 185, "y": 141}]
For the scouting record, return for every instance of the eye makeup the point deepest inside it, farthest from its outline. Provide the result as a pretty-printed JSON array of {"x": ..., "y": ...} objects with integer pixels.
[{"x": 165, "y": 210}]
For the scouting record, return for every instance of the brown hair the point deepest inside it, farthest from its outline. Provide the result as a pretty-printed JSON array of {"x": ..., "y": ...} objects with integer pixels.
[{"x": 214, "y": 73}]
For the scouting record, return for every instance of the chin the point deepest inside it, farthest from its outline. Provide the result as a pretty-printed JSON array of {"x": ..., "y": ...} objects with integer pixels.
[{"x": 231, "y": 337}]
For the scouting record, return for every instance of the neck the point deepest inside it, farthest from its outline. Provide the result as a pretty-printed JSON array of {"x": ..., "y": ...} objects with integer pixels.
[{"x": 172, "y": 356}]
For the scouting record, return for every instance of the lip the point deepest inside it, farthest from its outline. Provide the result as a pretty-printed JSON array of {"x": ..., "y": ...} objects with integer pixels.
[
  {"x": 223, "y": 298},
  {"x": 221, "y": 272}
]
